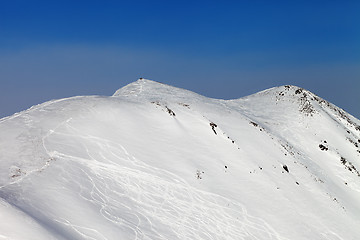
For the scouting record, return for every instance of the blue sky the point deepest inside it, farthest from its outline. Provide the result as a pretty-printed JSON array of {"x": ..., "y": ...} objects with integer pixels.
[{"x": 221, "y": 49}]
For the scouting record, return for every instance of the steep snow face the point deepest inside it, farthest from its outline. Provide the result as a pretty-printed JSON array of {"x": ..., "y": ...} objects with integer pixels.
[{"x": 159, "y": 162}]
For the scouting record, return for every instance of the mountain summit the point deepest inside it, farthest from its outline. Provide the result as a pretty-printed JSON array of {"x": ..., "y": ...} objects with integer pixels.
[
  {"x": 151, "y": 90},
  {"x": 158, "y": 162}
]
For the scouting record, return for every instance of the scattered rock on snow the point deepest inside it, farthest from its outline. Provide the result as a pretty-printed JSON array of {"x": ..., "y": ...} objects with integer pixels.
[
  {"x": 171, "y": 112},
  {"x": 323, "y": 148},
  {"x": 213, "y": 126}
]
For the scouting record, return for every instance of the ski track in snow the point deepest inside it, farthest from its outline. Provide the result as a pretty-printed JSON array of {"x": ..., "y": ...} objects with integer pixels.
[
  {"x": 143, "y": 199},
  {"x": 82, "y": 230}
]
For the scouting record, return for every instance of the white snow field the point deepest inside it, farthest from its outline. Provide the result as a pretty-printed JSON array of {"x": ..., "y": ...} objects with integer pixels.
[{"x": 158, "y": 162}]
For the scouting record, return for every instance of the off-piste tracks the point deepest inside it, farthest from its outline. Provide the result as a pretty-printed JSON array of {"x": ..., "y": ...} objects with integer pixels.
[{"x": 145, "y": 199}]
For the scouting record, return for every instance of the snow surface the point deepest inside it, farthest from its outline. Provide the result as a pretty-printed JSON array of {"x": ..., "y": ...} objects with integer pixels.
[{"x": 158, "y": 162}]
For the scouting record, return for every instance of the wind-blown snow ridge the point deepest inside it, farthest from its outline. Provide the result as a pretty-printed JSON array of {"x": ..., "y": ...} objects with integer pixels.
[{"x": 159, "y": 162}]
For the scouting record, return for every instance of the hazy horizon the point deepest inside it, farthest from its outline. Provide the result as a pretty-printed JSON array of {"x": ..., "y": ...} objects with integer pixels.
[{"x": 228, "y": 50}]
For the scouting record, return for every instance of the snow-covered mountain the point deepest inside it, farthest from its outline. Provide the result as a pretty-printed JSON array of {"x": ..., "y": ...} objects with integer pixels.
[{"x": 158, "y": 162}]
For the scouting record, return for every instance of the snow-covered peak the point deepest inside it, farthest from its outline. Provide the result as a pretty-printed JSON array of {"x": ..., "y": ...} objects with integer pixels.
[
  {"x": 285, "y": 92},
  {"x": 288, "y": 96},
  {"x": 289, "y": 100},
  {"x": 136, "y": 87},
  {"x": 159, "y": 162},
  {"x": 153, "y": 91}
]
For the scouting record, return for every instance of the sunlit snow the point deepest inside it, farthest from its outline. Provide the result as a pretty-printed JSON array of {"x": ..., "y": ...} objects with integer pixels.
[{"x": 158, "y": 162}]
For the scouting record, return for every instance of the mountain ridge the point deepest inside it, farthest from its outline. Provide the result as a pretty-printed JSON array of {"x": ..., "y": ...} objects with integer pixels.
[{"x": 158, "y": 162}]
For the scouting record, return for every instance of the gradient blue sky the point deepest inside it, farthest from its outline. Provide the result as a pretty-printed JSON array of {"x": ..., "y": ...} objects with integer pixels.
[{"x": 220, "y": 49}]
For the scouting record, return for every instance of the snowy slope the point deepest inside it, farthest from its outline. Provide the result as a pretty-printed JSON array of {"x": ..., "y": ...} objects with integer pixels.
[{"x": 158, "y": 162}]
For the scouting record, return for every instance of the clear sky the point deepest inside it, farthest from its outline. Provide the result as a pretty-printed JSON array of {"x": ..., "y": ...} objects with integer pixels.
[{"x": 220, "y": 49}]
